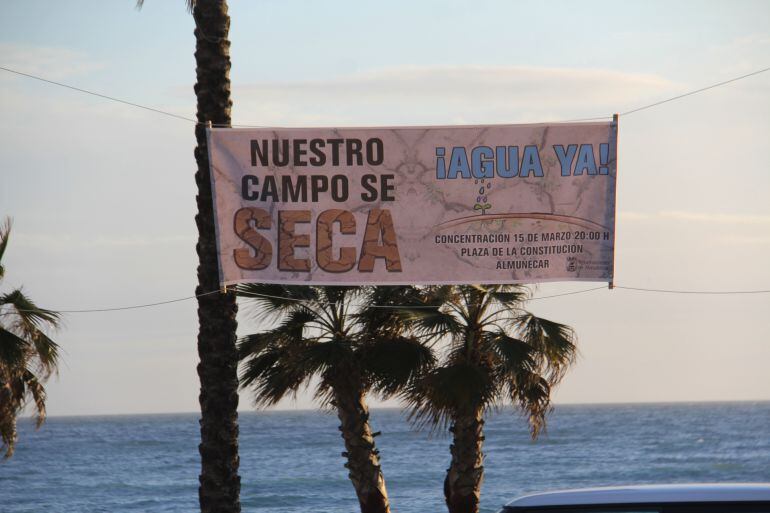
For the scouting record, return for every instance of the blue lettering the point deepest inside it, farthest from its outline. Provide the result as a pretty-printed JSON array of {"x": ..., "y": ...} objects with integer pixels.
[
  {"x": 604, "y": 155},
  {"x": 440, "y": 166},
  {"x": 458, "y": 163},
  {"x": 507, "y": 161},
  {"x": 482, "y": 158},
  {"x": 586, "y": 161},
  {"x": 565, "y": 158},
  {"x": 530, "y": 162}
]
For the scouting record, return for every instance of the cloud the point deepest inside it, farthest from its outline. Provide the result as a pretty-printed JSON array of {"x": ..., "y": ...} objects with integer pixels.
[
  {"x": 448, "y": 94},
  {"x": 703, "y": 217},
  {"x": 53, "y": 63}
]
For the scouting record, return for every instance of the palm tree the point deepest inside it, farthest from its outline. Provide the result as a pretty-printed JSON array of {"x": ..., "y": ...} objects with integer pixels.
[
  {"x": 220, "y": 484},
  {"x": 497, "y": 353},
  {"x": 329, "y": 333},
  {"x": 28, "y": 357}
]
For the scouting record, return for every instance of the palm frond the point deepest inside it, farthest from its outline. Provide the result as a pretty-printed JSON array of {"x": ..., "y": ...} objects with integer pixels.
[
  {"x": 338, "y": 366},
  {"x": 510, "y": 297},
  {"x": 277, "y": 295},
  {"x": 337, "y": 294},
  {"x": 532, "y": 393},
  {"x": 270, "y": 301},
  {"x": 432, "y": 322},
  {"x": 295, "y": 322},
  {"x": 47, "y": 353},
  {"x": 272, "y": 375},
  {"x": 448, "y": 391},
  {"x": 256, "y": 365},
  {"x": 553, "y": 342},
  {"x": 254, "y": 344},
  {"x": 37, "y": 391},
  {"x": 394, "y": 362},
  {"x": 329, "y": 355},
  {"x": 28, "y": 356},
  {"x": 381, "y": 309},
  {"x": 288, "y": 333},
  {"x": 13, "y": 350},
  {"x": 30, "y": 318},
  {"x": 392, "y": 295},
  {"x": 5, "y": 233},
  {"x": 8, "y": 413},
  {"x": 513, "y": 355},
  {"x": 16, "y": 386}
]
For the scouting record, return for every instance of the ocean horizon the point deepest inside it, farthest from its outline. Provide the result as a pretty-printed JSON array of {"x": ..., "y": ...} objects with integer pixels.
[
  {"x": 242, "y": 410},
  {"x": 291, "y": 459}
]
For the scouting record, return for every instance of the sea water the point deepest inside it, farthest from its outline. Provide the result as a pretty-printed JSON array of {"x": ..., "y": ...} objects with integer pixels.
[{"x": 291, "y": 461}]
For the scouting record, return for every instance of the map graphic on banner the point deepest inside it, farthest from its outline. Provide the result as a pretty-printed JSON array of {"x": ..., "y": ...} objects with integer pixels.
[{"x": 415, "y": 205}]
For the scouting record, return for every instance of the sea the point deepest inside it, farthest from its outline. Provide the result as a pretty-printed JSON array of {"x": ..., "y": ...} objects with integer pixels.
[{"x": 291, "y": 460}]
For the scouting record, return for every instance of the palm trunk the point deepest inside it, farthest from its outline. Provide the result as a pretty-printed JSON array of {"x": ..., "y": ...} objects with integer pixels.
[
  {"x": 462, "y": 486},
  {"x": 220, "y": 484},
  {"x": 363, "y": 459}
]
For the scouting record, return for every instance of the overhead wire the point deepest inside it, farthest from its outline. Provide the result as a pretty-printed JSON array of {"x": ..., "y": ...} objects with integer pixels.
[
  {"x": 158, "y": 111},
  {"x": 92, "y": 93},
  {"x": 132, "y": 307},
  {"x": 537, "y": 298},
  {"x": 696, "y": 91},
  {"x": 187, "y": 298},
  {"x": 698, "y": 292}
]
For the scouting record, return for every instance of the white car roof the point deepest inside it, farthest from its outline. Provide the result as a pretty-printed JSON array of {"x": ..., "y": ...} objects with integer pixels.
[{"x": 647, "y": 494}]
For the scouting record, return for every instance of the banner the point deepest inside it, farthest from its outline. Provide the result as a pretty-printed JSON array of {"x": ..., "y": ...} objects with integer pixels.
[{"x": 415, "y": 205}]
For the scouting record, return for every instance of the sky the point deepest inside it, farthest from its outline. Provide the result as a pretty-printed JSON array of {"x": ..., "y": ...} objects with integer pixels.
[{"x": 103, "y": 196}]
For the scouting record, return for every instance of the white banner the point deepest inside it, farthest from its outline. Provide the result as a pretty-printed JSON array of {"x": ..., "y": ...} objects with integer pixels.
[{"x": 428, "y": 205}]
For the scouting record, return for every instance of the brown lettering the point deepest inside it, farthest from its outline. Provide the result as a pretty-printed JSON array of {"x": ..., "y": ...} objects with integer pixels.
[
  {"x": 379, "y": 224},
  {"x": 347, "y": 223},
  {"x": 288, "y": 240},
  {"x": 263, "y": 251}
]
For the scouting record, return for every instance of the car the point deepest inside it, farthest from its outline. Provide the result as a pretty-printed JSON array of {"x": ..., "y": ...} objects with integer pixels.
[{"x": 682, "y": 498}]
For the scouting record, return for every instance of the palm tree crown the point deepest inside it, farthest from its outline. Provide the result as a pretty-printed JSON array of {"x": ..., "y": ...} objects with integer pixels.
[
  {"x": 328, "y": 332},
  {"x": 332, "y": 333},
  {"x": 497, "y": 353},
  {"x": 28, "y": 356}
]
